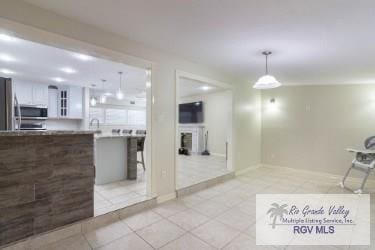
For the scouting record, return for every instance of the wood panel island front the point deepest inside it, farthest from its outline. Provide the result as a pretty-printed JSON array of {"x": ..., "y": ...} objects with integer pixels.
[{"x": 46, "y": 181}]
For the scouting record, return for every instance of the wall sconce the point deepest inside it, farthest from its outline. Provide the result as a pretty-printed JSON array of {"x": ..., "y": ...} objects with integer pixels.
[{"x": 272, "y": 105}]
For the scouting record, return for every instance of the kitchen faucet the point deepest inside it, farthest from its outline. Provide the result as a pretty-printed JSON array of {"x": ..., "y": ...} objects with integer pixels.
[{"x": 94, "y": 120}]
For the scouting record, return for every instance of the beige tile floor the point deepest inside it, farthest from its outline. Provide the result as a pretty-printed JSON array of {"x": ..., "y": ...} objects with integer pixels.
[
  {"x": 221, "y": 217},
  {"x": 194, "y": 169},
  {"x": 116, "y": 195}
]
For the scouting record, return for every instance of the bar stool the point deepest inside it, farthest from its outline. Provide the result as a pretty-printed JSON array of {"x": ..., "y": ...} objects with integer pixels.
[
  {"x": 140, "y": 148},
  {"x": 127, "y": 131}
]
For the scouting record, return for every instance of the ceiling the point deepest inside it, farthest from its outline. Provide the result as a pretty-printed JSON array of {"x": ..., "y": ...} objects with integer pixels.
[
  {"x": 34, "y": 62},
  {"x": 314, "y": 41},
  {"x": 190, "y": 87}
]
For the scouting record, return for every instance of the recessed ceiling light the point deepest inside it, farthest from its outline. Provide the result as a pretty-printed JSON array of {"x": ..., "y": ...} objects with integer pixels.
[
  {"x": 68, "y": 70},
  {"x": 6, "y": 38},
  {"x": 7, "y": 58},
  {"x": 7, "y": 71},
  {"x": 205, "y": 88},
  {"x": 58, "y": 79},
  {"x": 83, "y": 57}
]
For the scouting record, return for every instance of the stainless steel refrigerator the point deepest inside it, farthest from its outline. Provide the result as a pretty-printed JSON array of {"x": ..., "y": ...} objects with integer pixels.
[{"x": 6, "y": 104}]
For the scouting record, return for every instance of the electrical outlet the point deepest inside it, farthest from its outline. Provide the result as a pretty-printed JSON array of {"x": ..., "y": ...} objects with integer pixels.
[{"x": 164, "y": 174}]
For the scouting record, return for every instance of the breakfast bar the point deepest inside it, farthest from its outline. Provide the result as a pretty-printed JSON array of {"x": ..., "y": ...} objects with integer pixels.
[{"x": 115, "y": 157}]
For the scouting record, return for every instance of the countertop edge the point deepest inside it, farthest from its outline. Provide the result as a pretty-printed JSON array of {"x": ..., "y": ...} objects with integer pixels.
[{"x": 48, "y": 132}]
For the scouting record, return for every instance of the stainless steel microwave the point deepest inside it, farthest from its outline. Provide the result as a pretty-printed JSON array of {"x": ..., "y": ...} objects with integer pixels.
[{"x": 31, "y": 112}]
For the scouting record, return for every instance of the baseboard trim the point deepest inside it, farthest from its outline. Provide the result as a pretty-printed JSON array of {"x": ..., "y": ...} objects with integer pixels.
[
  {"x": 216, "y": 154},
  {"x": 204, "y": 184},
  {"x": 248, "y": 169},
  {"x": 335, "y": 176},
  {"x": 166, "y": 197}
]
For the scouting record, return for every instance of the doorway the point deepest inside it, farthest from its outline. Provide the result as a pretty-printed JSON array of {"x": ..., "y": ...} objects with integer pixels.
[
  {"x": 76, "y": 74},
  {"x": 203, "y": 131}
]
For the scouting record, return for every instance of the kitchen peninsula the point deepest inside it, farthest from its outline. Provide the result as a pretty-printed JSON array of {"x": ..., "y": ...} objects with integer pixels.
[
  {"x": 121, "y": 152},
  {"x": 46, "y": 181}
]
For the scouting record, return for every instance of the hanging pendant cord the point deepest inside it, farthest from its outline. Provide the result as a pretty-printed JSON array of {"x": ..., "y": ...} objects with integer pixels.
[
  {"x": 120, "y": 79},
  {"x": 266, "y": 64}
]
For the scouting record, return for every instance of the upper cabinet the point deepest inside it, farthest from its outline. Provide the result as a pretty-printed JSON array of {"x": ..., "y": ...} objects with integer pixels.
[
  {"x": 40, "y": 94},
  {"x": 31, "y": 93},
  {"x": 75, "y": 102},
  {"x": 62, "y": 101},
  {"x": 66, "y": 102},
  {"x": 53, "y": 94}
]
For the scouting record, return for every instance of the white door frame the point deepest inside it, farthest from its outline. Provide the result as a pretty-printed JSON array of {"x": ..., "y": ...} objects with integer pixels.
[
  {"x": 182, "y": 74},
  {"x": 33, "y": 34}
]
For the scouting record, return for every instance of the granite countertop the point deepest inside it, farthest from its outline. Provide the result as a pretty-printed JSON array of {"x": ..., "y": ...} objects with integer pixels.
[
  {"x": 46, "y": 132},
  {"x": 99, "y": 136}
]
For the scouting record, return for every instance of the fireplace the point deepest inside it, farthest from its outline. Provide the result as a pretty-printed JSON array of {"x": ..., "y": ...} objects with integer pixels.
[
  {"x": 191, "y": 138},
  {"x": 187, "y": 141}
]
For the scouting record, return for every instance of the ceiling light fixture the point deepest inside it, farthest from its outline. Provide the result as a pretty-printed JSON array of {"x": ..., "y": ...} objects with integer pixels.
[
  {"x": 83, "y": 57},
  {"x": 7, "y": 71},
  {"x": 267, "y": 81},
  {"x": 205, "y": 88},
  {"x": 58, "y": 79},
  {"x": 7, "y": 58},
  {"x": 103, "y": 97},
  {"x": 68, "y": 70},
  {"x": 119, "y": 93},
  {"x": 7, "y": 38},
  {"x": 93, "y": 101}
]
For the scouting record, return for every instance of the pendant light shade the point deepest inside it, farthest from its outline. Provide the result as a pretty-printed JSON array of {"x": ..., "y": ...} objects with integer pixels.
[
  {"x": 267, "y": 81},
  {"x": 93, "y": 101},
  {"x": 119, "y": 93}
]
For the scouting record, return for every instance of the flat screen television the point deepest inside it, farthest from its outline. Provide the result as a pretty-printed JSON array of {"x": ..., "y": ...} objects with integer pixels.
[{"x": 191, "y": 112}]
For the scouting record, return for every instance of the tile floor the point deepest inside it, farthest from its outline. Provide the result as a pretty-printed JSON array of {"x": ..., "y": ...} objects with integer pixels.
[
  {"x": 116, "y": 195},
  {"x": 221, "y": 217},
  {"x": 194, "y": 169}
]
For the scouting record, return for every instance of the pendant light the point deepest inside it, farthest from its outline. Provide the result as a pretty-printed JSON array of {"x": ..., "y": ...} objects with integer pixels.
[
  {"x": 103, "y": 97},
  {"x": 93, "y": 101},
  {"x": 119, "y": 93},
  {"x": 267, "y": 81}
]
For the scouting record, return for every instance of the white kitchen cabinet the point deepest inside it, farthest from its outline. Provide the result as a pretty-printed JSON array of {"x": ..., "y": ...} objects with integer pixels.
[
  {"x": 63, "y": 98},
  {"x": 52, "y": 102},
  {"x": 40, "y": 94},
  {"x": 24, "y": 92},
  {"x": 31, "y": 93},
  {"x": 65, "y": 102},
  {"x": 75, "y": 102}
]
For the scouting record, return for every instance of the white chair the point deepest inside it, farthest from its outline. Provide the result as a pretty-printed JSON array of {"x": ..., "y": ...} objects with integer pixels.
[{"x": 364, "y": 161}]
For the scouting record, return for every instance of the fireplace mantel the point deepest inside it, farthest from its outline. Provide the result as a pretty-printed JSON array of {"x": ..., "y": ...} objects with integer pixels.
[{"x": 197, "y": 132}]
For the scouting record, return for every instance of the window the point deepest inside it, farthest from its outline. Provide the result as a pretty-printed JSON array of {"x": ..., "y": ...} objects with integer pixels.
[
  {"x": 136, "y": 117},
  {"x": 116, "y": 116}
]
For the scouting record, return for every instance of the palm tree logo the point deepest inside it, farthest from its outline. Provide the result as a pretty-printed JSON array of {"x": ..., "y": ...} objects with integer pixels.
[{"x": 277, "y": 211}]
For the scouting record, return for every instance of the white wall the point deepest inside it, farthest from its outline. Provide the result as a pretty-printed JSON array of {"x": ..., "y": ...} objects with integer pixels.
[
  {"x": 217, "y": 108},
  {"x": 311, "y": 126},
  {"x": 247, "y": 126}
]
